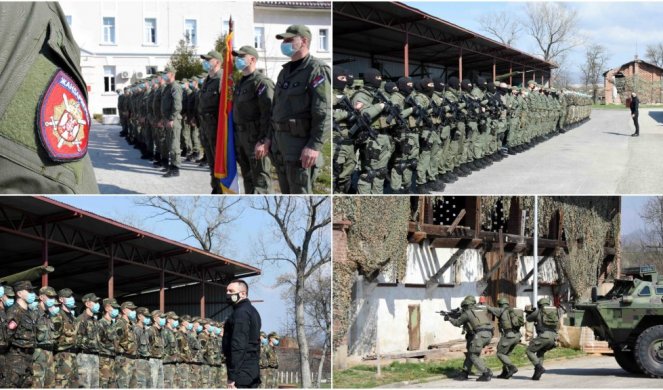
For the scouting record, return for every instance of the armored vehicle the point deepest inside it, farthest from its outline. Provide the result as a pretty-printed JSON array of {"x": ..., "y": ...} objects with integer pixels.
[{"x": 630, "y": 318}]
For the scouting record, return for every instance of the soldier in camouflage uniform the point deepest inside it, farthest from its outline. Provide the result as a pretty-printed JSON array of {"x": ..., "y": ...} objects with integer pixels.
[
  {"x": 192, "y": 120},
  {"x": 87, "y": 342},
  {"x": 6, "y": 301},
  {"x": 43, "y": 362},
  {"x": 446, "y": 122},
  {"x": 223, "y": 374},
  {"x": 262, "y": 362},
  {"x": 272, "y": 361},
  {"x": 207, "y": 349},
  {"x": 156, "y": 343},
  {"x": 66, "y": 370},
  {"x": 345, "y": 158},
  {"x": 171, "y": 356},
  {"x": 158, "y": 129},
  {"x": 126, "y": 348},
  {"x": 403, "y": 160},
  {"x": 510, "y": 335},
  {"x": 546, "y": 321},
  {"x": 122, "y": 101},
  {"x": 208, "y": 110},
  {"x": 218, "y": 375},
  {"x": 21, "y": 323},
  {"x": 429, "y": 139},
  {"x": 142, "y": 371},
  {"x": 171, "y": 107},
  {"x": 184, "y": 349},
  {"x": 106, "y": 336},
  {"x": 195, "y": 373},
  {"x": 185, "y": 139}
]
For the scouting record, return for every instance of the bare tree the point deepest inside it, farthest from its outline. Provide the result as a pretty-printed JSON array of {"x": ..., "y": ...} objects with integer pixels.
[
  {"x": 554, "y": 27},
  {"x": 654, "y": 54},
  {"x": 501, "y": 26},
  {"x": 303, "y": 224},
  {"x": 205, "y": 217},
  {"x": 652, "y": 215},
  {"x": 595, "y": 58},
  {"x": 318, "y": 293}
]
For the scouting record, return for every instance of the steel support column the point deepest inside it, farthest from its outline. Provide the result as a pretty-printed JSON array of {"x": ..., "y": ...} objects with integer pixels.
[
  {"x": 162, "y": 287},
  {"x": 202, "y": 298},
  {"x": 494, "y": 70},
  {"x": 510, "y": 74},
  {"x": 460, "y": 65},
  {"x": 44, "y": 256},
  {"x": 406, "y": 56},
  {"x": 111, "y": 272},
  {"x": 523, "y": 84}
]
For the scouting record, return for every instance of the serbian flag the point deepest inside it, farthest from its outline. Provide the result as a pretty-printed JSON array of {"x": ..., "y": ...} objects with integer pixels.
[{"x": 225, "y": 164}]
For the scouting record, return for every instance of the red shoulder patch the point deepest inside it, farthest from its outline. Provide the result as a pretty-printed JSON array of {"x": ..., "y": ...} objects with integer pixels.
[
  {"x": 12, "y": 325},
  {"x": 64, "y": 120},
  {"x": 317, "y": 81}
]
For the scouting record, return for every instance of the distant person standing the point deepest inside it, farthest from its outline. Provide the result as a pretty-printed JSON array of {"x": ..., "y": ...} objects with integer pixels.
[{"x": 635, "y": 105}]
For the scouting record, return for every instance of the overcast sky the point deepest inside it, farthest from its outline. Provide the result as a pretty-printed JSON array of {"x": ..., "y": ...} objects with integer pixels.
[{"x": 615, "y": 25}]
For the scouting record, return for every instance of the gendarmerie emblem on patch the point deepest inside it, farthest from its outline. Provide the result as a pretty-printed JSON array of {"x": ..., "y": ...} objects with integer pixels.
[{"x": 64, "y": 120}]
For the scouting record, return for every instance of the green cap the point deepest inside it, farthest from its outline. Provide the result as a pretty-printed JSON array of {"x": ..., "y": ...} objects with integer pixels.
[
  {"x": 273, "y": 335},
  {"x": 111, "y": 301},
  {"x": 294, "y": 30},
  {"x": 172, "y": 315},
  {"x": 250, "y": 50},
  {"x": 128, "y": 305},
  {"x": 143, "y": 310},
  {"x": 23, "y": 285},
  {"x": 170, "y": 68},
  {"x": 48, "y": 291},
  {"x": 263, "y": 334},
  {"x": 195, "y": 319},
  {"x": 157, "y": 313},
  {"x": 186, "y": 318},
  {"x": 212, "y": 54},
  {"x": 90, "y": 297},
  {"x": 9, "y": 291}
]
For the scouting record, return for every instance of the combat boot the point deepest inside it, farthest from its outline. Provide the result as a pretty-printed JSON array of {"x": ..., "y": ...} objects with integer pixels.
[
  {"x": 504, "y": 372},
  {"x": 423, "y": 188},
  {"x": 485, "y": 377},
  {"x": 511, "y": 370},
  {"x": 451, "y": 177},
  {"x": 172, "y": 172},
  {"x": 463, "y": 376},
  {"x": 538, "y": 371},
  {"x": 463, "y": 170},
  {"x": 437, "y": 185}
]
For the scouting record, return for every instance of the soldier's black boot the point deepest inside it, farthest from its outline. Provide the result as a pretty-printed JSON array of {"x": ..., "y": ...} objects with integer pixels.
[
  {"x": 464, "y": 170},
  {"x": 503, "y": 373},
  {"x": 423, "y": 188},
  {"x": 538, "y": 371},
  {"x": 463, "y": 376},
  {"x": 172, "y": 172},
  {"x": 451, "y": 177},
  {"x": 511, "y": 370},
  {"x": 437, "y": 185},
  {"x": 485, "y": 377}
]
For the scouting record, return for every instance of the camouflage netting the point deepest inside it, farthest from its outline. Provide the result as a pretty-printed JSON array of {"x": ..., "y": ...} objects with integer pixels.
[
  {"x": 489, "y": 203},
  {"x": 376, "y": 238},
  {"x": 589, "y": 222},
  {"x": 648, "y": 91}
]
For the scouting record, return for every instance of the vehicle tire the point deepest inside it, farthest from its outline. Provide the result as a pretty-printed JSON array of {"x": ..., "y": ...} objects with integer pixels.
[
  {"x": 649, "y": 351},
  {"x": 627, "y": 362}
]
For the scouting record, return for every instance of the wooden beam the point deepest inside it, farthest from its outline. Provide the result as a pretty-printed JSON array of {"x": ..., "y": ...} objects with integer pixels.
[
  {"x": 452, "y": 259},
  {"x": 530, "y": 273},
  {"x": 456, "y": 221}
]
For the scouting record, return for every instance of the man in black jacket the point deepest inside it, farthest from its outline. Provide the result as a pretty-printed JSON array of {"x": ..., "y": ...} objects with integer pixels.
[
  {"x": 635, "y": 104},
  {"x": 241, "y": 338}
]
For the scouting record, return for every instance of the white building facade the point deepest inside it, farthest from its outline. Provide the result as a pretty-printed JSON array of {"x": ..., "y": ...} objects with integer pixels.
[{"x": 123, "y": 41}]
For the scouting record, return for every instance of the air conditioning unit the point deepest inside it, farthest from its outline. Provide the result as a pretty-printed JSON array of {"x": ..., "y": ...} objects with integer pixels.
[
  {"x": 124, "y": 75},
  {"x": 139, "y": 75}
]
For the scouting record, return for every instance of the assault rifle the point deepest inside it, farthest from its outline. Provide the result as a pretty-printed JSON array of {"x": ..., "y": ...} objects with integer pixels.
[
  {"x": 393, "y": 110},
  {"x": 419, "y": 112},
  {"x": 455, "y": 314},
  {"x": 361, "y": 123}
]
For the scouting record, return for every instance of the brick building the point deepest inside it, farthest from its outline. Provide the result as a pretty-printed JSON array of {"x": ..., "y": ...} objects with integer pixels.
[{"x": 645, "y": 78}]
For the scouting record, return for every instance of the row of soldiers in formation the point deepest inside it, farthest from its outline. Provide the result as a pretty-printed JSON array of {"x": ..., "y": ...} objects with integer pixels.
[
  {"x": 284, "y": 123},
  {"x": 428, "y": 132},
  {"x": 44, "y": 345},
  {"x": 477, "y": 325}
]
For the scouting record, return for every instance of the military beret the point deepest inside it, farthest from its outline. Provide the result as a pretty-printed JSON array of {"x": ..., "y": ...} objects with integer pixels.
[
  {"x": 273, "y": 335},
  {"x": 90, "y": 297},
  {"x": 172, "y": 315},
  {"x": 212, "y": 54},
  {"x": 294, "y": 30},
  {"x": 48, "y": 291},
  {"x": 9, "y": 291},
  {"x": 250, "y": 50},
  {"x": 186, "y": 318},
  {"x": 143, "y": 310},
  {"x": 127, "y": 305},
  {"x": 23, "y": 285},
  {"x": 111, "y": 301},
  {"x": 157, "y": 313}
]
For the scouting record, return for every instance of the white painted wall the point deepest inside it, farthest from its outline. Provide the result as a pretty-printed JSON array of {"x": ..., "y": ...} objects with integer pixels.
[{"x": 387, "y": 305}]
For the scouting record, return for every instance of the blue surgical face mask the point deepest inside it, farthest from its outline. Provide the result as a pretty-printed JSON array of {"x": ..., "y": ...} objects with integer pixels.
[
  {"x": 287, "y": 49},
  {"x": 263, "y": 341},
  {"x": 132, "y": 315},
  {"x": 206, "y": 66},
  {"x": 199, "y": 329},
  {"x": 53, "y": 311},
  {"x": 114, "y": 313},
  {"x": 30, "y": 299},
  {"x": 33, "y": 305},
  {"x": 147, "y": 321},
  {"x": 95, "y": 308},
  {"x": 50, "y": 302},
  {"x": 70, "y": 302},
  {"x": 9, "y": 302},
  {"x": 189, "y": 326},
  {"x": 275, "y": 342},
  {"x": 162, "y": 322},
  {"x": 217, "y": 331},
  {"x": 2, "y": 291},
  {"x": 176, "y": 323},
  {"x": 240, "y": 63}
]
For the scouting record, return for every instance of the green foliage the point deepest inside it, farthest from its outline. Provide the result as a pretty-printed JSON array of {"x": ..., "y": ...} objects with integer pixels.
[{"x": 185, "y": 61}]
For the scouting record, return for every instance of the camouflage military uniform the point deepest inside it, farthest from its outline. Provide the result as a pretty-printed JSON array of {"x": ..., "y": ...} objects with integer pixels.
[
  {"x": 196, "y": 362},
  {"x": 273, "y": 366},
  {"x": 208, "y": 359},
  {"x": 125, "y": 353},
  {"x": 4, "y": 343},
  {"x": 21, "y": 325},
  {"x": 545, "y": 320},
  {"x": 208, "y": 110},
  {"x": 66, "y": 374},
  {"x": 510, "y": 337},
  {"x": 43, "y": 362},
  {"x": 156, "y": 346},
  {"x": 158, "y": 130},
  {"x": 480, "y": 332},
  {"x": 183, "y": 370},
  {"x": 87, "y": 359},
  {"x": 263, "y": 363},
  {"x": 171, "y": 357},
  {"x": 106, "y": 334},
  {"x": 345, "y": 158},
  {"x": 142, "y": 372},
  {"x": 171, "y": 106},
  {"x": 403, "y": 160}
]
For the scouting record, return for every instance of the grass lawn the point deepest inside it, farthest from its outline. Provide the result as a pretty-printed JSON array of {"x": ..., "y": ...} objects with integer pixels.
[
  {"x": 324, "y": 181},
  {"x": 363, "y": 376},
  {"x": 621, "y": 106}
]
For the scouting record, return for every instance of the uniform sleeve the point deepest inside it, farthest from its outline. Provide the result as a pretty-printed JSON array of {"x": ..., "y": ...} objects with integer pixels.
[
  {"x": 533, "y": 316},
  {"x": 320, "y": 107},
  {"x": 238, "y": 344},
  {"x": 460, "y": 321},
  {"x": 265, "y": 98},
  {"x": 177, "y": 102}
]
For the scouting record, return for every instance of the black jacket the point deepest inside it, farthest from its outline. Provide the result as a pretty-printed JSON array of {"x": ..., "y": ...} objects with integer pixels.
[
  {"x": 635, "y": 103},
  {"x": 241, "y": 344}
]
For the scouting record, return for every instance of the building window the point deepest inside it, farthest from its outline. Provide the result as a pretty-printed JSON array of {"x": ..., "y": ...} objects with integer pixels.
[
  {"x": 68, "y": 20},
  {"x": 151, "y": 70},
  {"x": 191, "y": 31},
  {"x": 109, "y": 30},
  {"x": 259, "y": 38},
  {"x": 324, "y": 40},
  {"x": 109, "y": 111},
  {"x": 150, "y": 31},
  {"x": 109, "y": 79}
]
